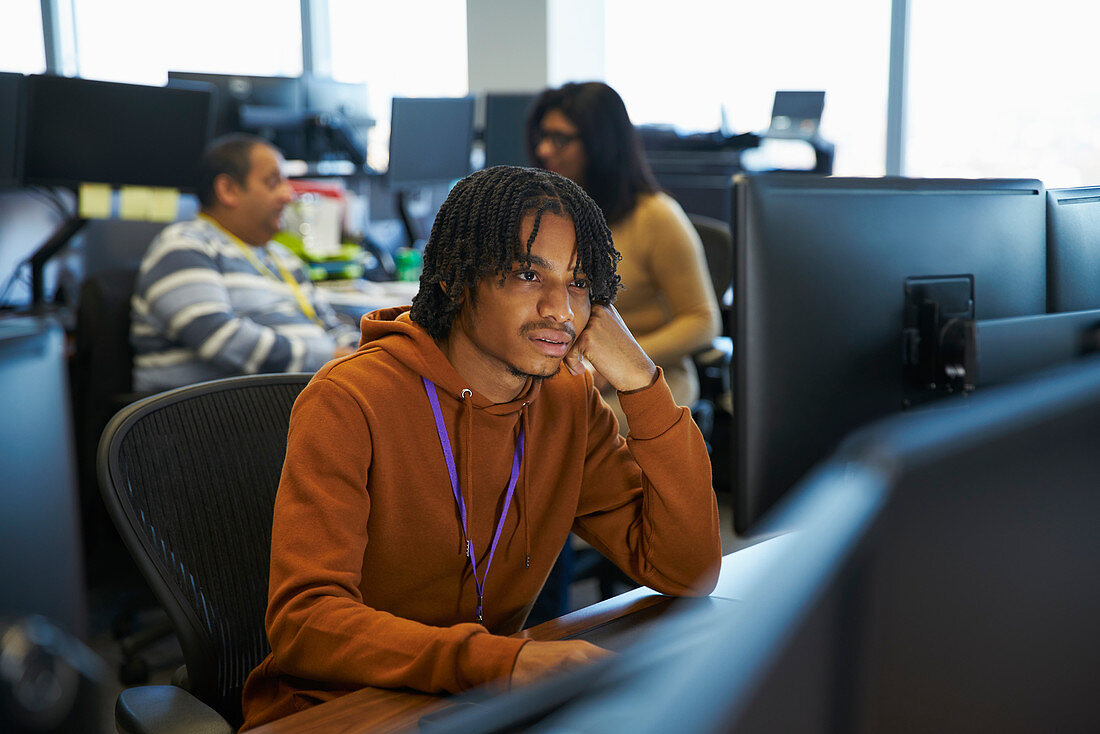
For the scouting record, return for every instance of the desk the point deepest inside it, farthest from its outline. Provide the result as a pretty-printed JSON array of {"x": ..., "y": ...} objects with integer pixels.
[{"x": 385, "y": 710}]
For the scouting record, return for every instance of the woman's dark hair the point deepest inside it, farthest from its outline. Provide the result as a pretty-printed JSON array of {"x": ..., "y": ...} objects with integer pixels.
[
  {"x": 230, "y": 154},
  {"x": 617, "y": 171},
  {"x": 476, "y": 235}
]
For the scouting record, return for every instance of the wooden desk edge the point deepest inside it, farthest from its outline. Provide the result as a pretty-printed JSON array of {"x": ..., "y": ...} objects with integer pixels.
[{"x": 385, "y": 710}]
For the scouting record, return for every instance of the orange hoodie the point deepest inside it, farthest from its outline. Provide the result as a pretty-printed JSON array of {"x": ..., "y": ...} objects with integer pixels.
[{"x": 370, "y": 585}]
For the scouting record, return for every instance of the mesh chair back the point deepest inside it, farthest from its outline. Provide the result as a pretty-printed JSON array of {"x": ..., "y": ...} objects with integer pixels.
[
  {"x": 189, "y": 477},
  {"x": 718, "y": 248}
]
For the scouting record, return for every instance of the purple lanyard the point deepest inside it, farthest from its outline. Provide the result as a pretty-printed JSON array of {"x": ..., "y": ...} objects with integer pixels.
[{"x": 445, "y": 442}]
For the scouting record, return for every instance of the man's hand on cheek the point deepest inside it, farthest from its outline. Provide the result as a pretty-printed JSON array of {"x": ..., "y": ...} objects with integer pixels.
[{"x": 611, "y": 349}]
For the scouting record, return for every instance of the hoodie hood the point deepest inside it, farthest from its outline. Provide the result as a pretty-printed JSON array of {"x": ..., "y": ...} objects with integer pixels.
[{"x": 392, "y": 331}]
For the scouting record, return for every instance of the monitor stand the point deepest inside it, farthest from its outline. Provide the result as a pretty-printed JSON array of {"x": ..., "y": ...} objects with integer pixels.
[{"x": 401, "y": 200}]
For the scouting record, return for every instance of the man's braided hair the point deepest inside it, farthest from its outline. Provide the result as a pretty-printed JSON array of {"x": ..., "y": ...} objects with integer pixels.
[{"x": 476, "y": 235}]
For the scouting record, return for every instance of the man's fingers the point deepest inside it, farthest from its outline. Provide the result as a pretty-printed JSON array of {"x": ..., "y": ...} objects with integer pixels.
[{"x": 574, "y": 358}]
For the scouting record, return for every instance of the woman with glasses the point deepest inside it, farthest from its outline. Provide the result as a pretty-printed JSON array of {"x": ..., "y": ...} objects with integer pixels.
[{"x": 583, "y": 132}]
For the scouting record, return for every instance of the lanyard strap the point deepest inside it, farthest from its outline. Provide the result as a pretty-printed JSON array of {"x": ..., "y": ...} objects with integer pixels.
[
  {"x": 445, "y": 443},
  {"x": 262, "y": 269}
]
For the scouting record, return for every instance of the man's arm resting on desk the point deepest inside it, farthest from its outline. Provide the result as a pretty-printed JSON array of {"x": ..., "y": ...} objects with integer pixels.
[{"x": 649, "y": 505}]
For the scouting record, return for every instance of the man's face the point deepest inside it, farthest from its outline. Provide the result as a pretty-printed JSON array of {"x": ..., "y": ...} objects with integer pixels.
[
  {"x": 524, "y": 327},
  {"x": 260, "y": 202}
]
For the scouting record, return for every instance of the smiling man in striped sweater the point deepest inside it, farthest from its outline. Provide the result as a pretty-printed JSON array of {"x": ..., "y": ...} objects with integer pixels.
[{"x": 215, "y": 297}]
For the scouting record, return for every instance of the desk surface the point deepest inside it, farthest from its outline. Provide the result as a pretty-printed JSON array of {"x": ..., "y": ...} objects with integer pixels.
[{"x": 385, "y": 710}]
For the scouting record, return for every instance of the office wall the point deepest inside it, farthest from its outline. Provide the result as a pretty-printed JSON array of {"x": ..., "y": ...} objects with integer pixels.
[{"x": 519, "y": 46}]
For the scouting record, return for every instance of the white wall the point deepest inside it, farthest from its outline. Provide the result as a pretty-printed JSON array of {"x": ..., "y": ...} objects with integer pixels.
[{"x": 526, "y": 45}]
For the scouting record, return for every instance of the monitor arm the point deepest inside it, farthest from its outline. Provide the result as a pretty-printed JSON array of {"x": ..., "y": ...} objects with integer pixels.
[{"x": 946, "y": 351}]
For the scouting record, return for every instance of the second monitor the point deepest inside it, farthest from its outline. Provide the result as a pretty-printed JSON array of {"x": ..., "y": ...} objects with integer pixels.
[
  {"x": 430, "y": 140},
  {"x": 821, "y": 266}
]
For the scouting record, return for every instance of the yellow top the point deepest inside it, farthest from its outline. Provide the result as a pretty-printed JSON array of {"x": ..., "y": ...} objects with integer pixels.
[{"x": 668, "y": 301}]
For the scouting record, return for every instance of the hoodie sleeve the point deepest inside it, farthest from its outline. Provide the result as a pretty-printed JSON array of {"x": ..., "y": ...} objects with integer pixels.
[
  {"x": 317, "y": 624},
  {"x": 648, "y": 503}
]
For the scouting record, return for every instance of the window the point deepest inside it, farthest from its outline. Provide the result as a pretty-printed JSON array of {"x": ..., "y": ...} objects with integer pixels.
[
  {"x": 21, "y": 47},
  {"x": 686, "y": 63},
  {"x": 415, "y": 48},
  {"x": 1002, "y": 88},
  {"x": 139, "y": 41}
]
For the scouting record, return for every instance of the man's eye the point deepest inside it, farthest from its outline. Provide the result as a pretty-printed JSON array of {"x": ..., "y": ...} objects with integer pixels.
[
  {"x": 527, "y": 275},
  {"x": 580, "y": 283}
]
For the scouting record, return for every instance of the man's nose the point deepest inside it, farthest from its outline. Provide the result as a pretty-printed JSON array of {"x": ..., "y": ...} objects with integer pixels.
[{"x": 555, "y": 305}]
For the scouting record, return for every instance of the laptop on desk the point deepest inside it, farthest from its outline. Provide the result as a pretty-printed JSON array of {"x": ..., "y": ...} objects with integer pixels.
[{"x": 796, "y": 115}]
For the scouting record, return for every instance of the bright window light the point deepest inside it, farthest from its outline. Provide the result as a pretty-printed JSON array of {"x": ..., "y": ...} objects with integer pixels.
[
  {"x": 21, "y": 48},
  {"x": 1002, "y": 88},
  {"x": 413, "y": 48},
  {"x": 690, "y": 62},
  {"x": 139, "y": 41}
]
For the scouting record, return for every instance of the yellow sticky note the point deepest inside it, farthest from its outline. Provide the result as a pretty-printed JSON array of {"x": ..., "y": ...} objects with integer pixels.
[
  {"x": 133, "y": 202},
  {"x": 94, "y": 201},
  {"x": 164, "y": 205}
]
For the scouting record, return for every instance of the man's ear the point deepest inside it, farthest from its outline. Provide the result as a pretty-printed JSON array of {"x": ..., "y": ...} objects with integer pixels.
[{"x": 227, "y": 190}]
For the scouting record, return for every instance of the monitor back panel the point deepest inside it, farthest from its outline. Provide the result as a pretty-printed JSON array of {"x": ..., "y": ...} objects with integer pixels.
[
  {"x": 124, "y": 134},
  {"x": 11, "y": 142},
  {"x": 506, "y": 129},
  {"x": 1073, "y": 249},
  {"x": 820, "y": 270},
  {"x": 430, "y": 140}
]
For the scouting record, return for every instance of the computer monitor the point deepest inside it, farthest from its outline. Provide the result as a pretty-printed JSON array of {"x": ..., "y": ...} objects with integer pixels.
[
  {"x": 430, "y": 140},
  {"x": 821, "y": 266},
  {"x": 506, "y": 128},
  {"x": 232, "y": 91},
  {"x": 340, "y": 119},
  {"x": 966, "y": 605},
  {"x": 81, "y": 130},
  {"x": 1073, "y": 249},
  {"x": 41, "y": 559},
  {"x": 272, "y": 107},
  {"x": 11, "y": 143},
  {"x": 323, "y": 94},
  {"x": 796, "y": 114}
]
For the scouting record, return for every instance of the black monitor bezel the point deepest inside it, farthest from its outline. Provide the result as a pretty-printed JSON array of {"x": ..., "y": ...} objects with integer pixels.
[{"x": 182, "y": 177}]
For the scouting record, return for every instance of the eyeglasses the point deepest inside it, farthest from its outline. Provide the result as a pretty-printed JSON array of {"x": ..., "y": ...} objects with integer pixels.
[{"x": 558, "y": 139}]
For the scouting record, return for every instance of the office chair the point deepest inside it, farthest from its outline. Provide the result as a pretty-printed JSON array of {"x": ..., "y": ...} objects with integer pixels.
[
  {"x": 713, "y": 410},
  {"x": 100, "y": 372},
  {"x": 189, "y": 477}
]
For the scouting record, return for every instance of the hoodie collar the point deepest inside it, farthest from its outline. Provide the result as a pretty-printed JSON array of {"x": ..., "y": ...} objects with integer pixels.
[{"x": 392, "y": 330}]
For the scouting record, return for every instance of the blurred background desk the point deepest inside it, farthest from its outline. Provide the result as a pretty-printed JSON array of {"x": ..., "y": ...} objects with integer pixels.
[
  {"x": 351, "y": 299},
  {"x": 613, "y": 623}
]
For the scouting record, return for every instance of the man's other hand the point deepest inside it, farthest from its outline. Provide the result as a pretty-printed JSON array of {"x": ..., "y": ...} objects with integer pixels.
[{"x": 537, "y": 659}]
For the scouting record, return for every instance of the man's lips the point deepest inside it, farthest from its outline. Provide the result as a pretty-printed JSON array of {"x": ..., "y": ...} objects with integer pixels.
[{"x": 551, "y": 342}]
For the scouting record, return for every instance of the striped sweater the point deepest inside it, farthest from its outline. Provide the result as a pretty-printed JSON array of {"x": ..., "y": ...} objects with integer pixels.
[{"x": 201, "y": 310}]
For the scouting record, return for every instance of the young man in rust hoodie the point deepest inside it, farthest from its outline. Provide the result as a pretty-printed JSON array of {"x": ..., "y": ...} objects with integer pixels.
[{"x": 432, "y": 477}]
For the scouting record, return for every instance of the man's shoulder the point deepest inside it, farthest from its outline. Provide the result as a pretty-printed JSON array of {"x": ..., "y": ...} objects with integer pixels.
[
  {"x": 370, "y": 371},
  {"x": 190, "y": 234}
]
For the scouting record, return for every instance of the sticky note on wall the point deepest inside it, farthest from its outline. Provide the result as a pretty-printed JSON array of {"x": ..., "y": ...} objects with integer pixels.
[
  {"x": 94, "y": 201},
  {"x": 134, "y": 202},
  {"x": 164, "y": 205}
]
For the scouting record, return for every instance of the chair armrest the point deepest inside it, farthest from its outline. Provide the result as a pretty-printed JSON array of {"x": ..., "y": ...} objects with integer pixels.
[
  {"x": 718, "y": 352},
  {"x": 166, "y": 710}
]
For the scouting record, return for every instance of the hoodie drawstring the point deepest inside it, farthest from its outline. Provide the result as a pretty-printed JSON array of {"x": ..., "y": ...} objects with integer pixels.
[
  {"x": 467, "y": 431},
  {"x": 460, "y": 501}
]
